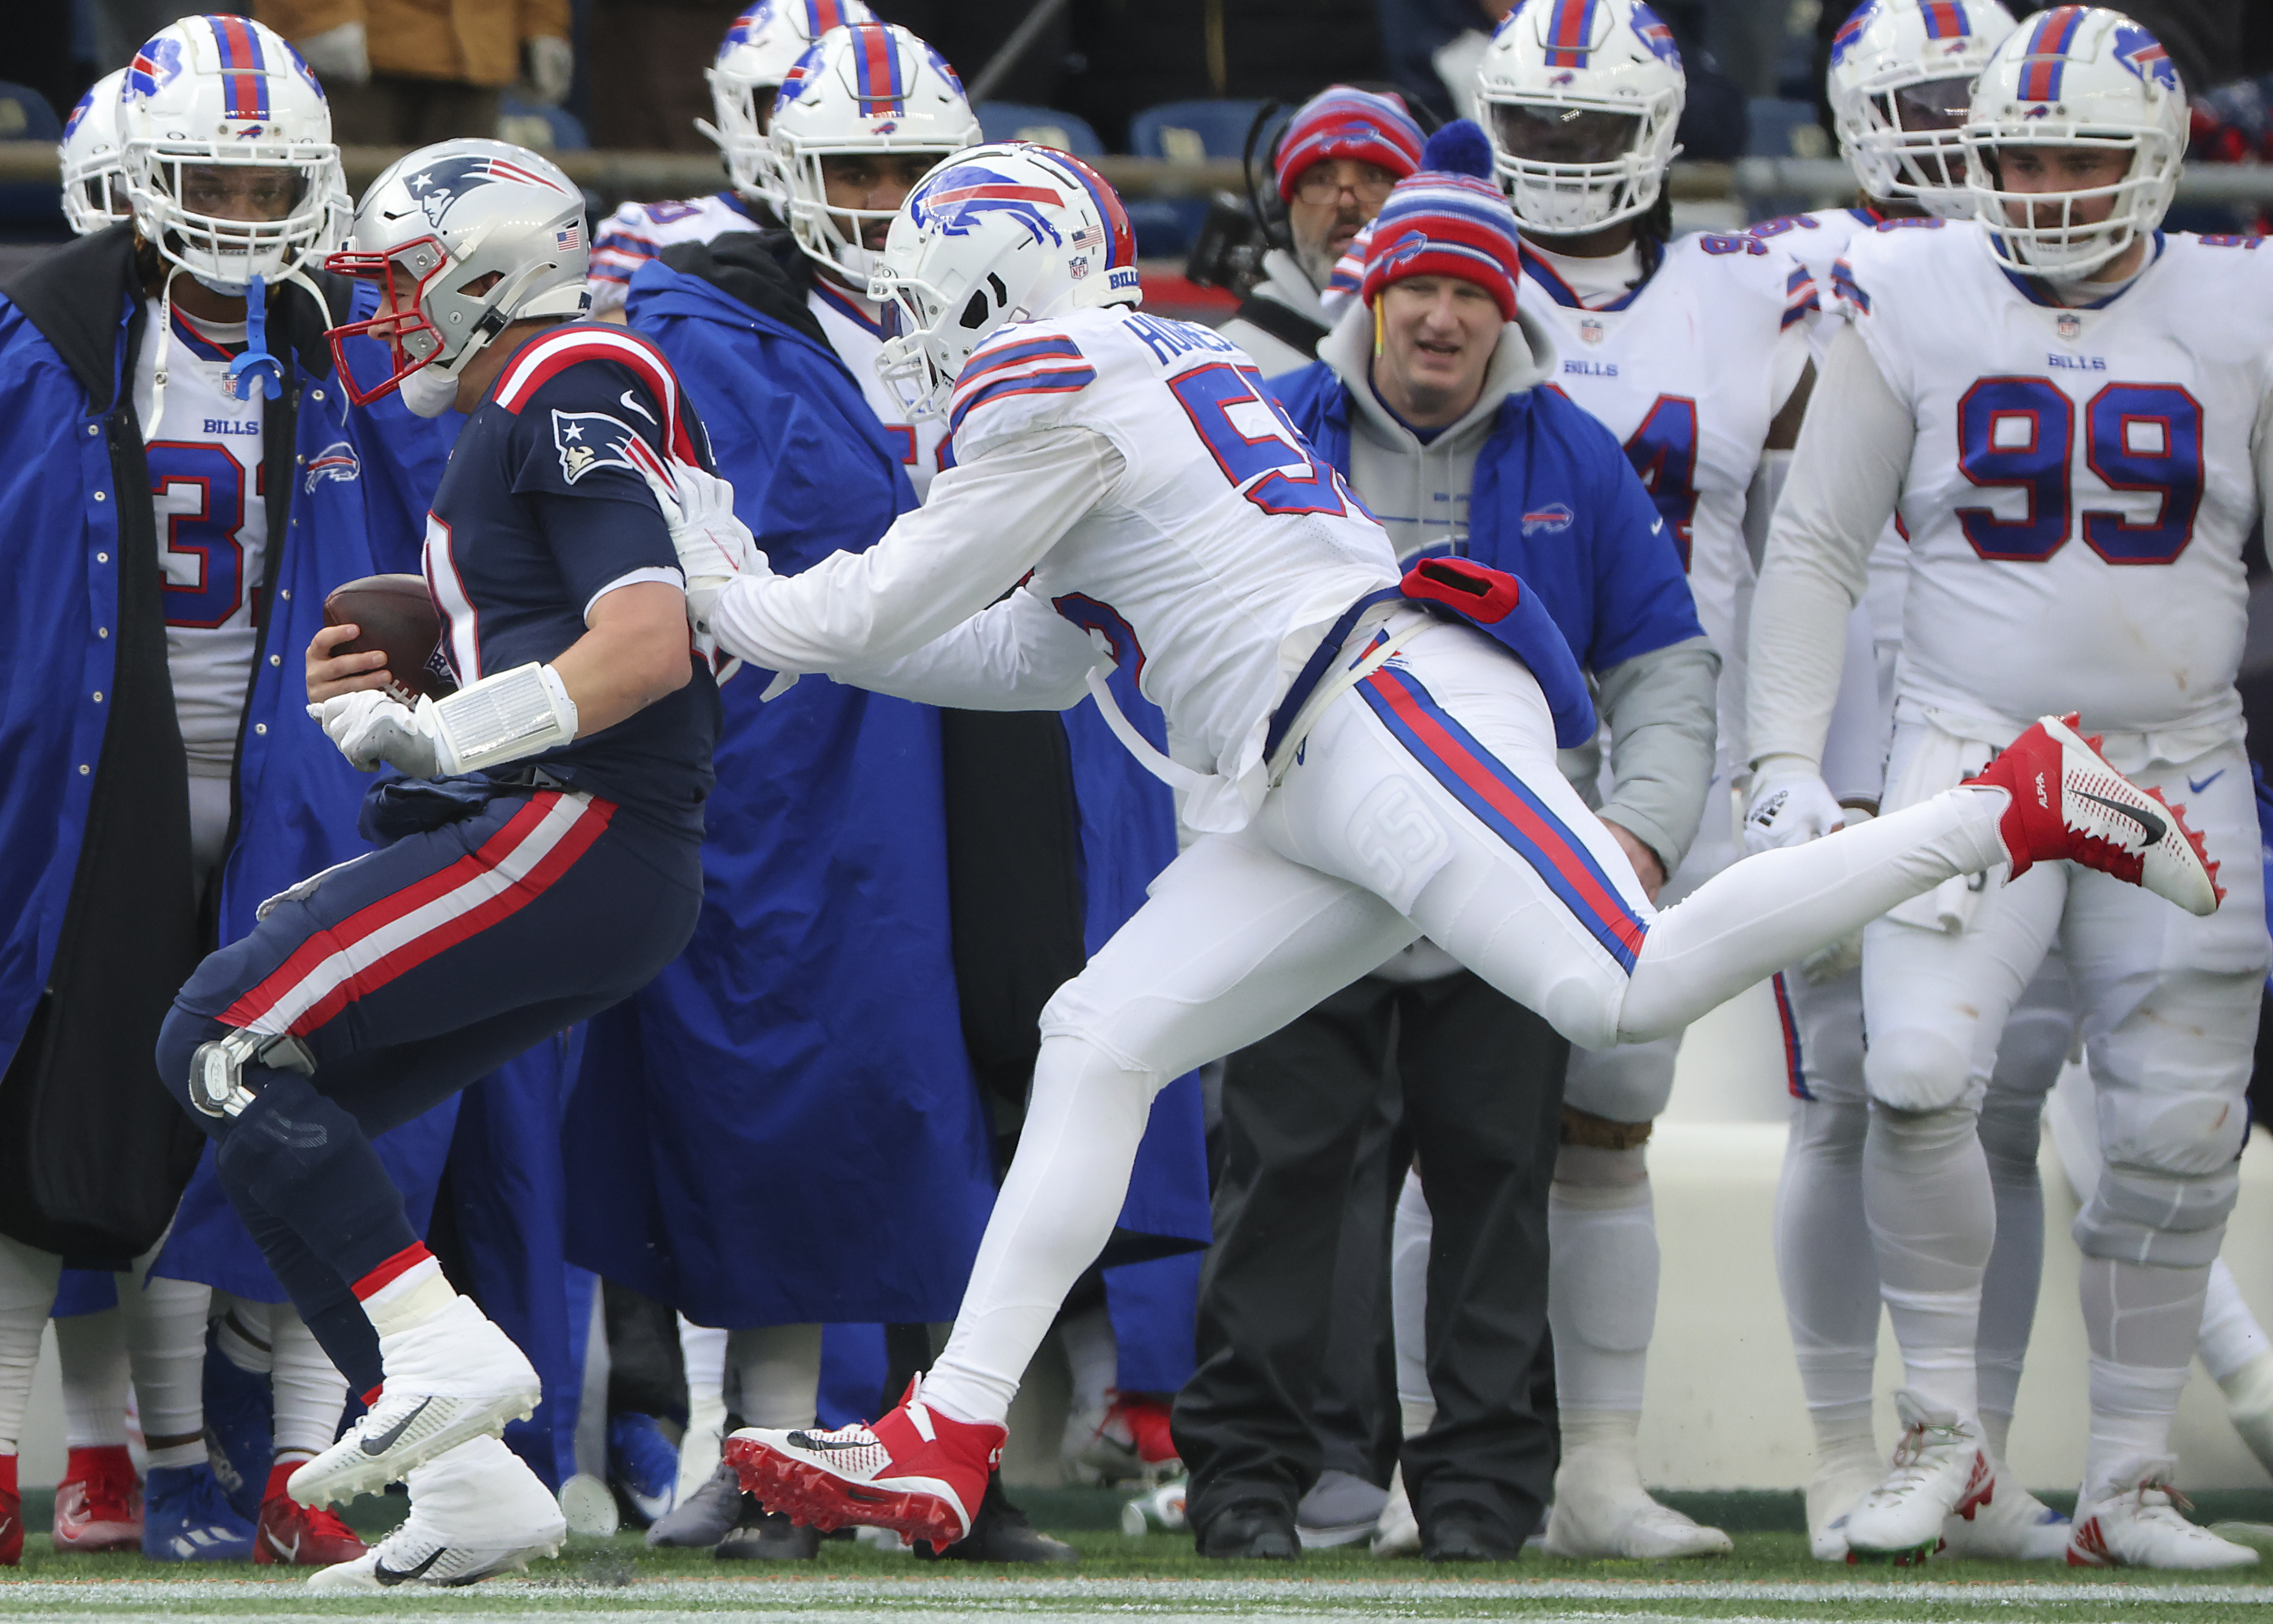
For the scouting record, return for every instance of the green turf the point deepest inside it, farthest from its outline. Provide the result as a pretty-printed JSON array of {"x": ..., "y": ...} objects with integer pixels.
[{"x": 1158, "y": 1577}]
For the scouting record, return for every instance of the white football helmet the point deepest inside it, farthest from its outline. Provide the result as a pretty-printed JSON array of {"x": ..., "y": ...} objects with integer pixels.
[
  {"x": 760, "y": 48},
  {"x": 440, "y": 219},
  {"x": 2075, "y": 77},
  {"x": 1581, "y": 99},
  {"x": 95, "y": 175},
  {"x": 210, "y": 94},
  {"x": 1900, "y": 87},
  {"x": 1009, "y": 232},
  {"x": 873, "y": 87}
]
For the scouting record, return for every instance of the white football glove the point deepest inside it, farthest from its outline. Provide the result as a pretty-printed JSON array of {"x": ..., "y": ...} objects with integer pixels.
[
  {"x": 522, "y": 712},
  {"x": 1790, "y": 805},
  {"x": 714, "y": 547}
]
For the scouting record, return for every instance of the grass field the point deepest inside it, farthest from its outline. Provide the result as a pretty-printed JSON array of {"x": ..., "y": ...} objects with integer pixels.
[{"x": 1160, "y": 1578}]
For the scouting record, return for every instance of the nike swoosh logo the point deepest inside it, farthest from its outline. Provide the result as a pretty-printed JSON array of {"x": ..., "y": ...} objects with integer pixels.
[
  {"x": 634, "y": 406},
  {"x": 385, "y": 1574},
  {"x": 385, "y": 1440},
  {"x": 2207, "y": 783},
  {"x": 805, "y": 1440},
  {"x": 1656, "y": 527},
  {"x": 2149, "y": 824},
  {"x": 287, "y": 1555}
]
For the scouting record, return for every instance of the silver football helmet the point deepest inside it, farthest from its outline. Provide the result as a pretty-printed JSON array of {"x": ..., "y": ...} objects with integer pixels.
[{"x": 463, "y": 238}]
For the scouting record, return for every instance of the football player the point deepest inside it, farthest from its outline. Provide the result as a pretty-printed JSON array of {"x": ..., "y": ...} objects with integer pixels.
[
  {"x": 761, "y": 47},
  {"x": 2076, "y": 458},
  {"x": 93, "y": 168},
  {"x": 1693, "y": 353},
  {"x": 154, "y": 800},
  {"x": 554, "y": 799},
  {"x": 1357, "y": 772}
]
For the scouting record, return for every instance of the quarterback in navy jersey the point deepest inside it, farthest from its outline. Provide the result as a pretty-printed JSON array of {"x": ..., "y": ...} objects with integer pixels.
[{"x": 550, "y": 806}]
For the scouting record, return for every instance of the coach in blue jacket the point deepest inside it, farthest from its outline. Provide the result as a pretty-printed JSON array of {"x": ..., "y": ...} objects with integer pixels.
[{"x": 1427, "y": 398}]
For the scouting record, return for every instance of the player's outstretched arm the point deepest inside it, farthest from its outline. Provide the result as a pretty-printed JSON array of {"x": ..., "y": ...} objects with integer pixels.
[
  {"x": 1018, "y": 655},
  {"x": 1846, "y": 475},
  {"x": 985, "y": 525}
]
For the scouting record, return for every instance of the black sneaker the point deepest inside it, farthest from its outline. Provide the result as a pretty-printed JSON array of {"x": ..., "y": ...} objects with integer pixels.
[
  {"x": 1001, "y": 1533},
  {"x": 1251, "y": 1530},
  {"x": 762, "y": 1536},
  {"x": 704, "y": 1517}
]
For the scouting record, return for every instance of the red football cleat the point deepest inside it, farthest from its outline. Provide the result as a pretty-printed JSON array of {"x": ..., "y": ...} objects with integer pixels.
[
  {"x": 99, "y": 1502},
  {"x": 298, "y": 1536},
  {"x": 915, "y": 1471},
  {"x": 11, "y": 1515},
  {"x": 2069, "y": 805}
]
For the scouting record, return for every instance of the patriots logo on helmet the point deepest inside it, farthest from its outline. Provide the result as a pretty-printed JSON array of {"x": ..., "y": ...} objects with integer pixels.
[
  {"x": 587, "y": 441},
  {"x": 1653, "y": 33},
  {"x": 337, "y": 462},
  {"x": 2143, "y": 54},
  {"x": 156, "y": 65},
  {"x": 1851, "y": 30},
  {"x": 439, "y": 186},
  {"x": 954, "y": 202}
]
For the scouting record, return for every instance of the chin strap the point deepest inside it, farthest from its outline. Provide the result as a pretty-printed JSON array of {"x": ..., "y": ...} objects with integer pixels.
[{"x": 256, "y": 363}]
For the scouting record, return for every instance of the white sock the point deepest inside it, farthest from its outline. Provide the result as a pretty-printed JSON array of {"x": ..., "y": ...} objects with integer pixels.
[
  {"x": 166, "y": 1344},
  {"x": 2010, "y": 1136},
  {"x": 1053, "y": 1216},
  {"x": 2231, "y": 1336},
  {"x": 1093, "y": 1358},
  {"x": 1768, "y": 911},
  {"x": 778, "y": 1367},
  {"x": 1604, "y": 1447},
  {"x": 2142, "y": 1322},
  {"x": 1997, "y": 1428},
  {"x": 1828, "y": 1268},
  {"x": 1601, "y": 1277},
  {"x": 310, "y": 1393},
  {"x": 90, "y": 1350},
  {"x": 404, "y": 1292},
  {"x": 1409, "y": 1235},
  {"x": 242, "y": 1331},
  {"x": 27, "y": 1290},
  {"x": 1926, "y": 1186}
]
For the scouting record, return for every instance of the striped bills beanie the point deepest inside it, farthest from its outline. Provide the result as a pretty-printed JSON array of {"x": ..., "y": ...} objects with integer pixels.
[
  {"x": 1342, "y": 122},
  {"x": 1443, "y": 222}
]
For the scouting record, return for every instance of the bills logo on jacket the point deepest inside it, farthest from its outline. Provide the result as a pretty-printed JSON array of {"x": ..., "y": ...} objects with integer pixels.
[
  {"x": 954, "y": 202},
  {"x": 336, "y": 461}
]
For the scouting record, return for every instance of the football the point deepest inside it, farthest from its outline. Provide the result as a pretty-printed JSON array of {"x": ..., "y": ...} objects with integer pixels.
[{"x": 395, "y": 614}]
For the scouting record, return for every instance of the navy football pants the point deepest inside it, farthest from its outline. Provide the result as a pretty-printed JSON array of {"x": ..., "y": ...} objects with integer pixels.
[{"x": 408, "y": 974}]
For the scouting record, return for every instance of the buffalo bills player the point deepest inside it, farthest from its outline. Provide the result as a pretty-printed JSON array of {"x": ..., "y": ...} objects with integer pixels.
[
  {"x": 1358, "y": 772},
  {"x": 553, "y": 799},
  {"x": 2066, "y": 407}
]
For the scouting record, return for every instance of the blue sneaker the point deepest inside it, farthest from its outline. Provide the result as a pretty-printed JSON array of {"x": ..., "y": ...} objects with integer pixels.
[
  {"x": 239, "y": 1416},
  {"x": 186, "y": 1518},
  {"x": 643, "y": 1466}
]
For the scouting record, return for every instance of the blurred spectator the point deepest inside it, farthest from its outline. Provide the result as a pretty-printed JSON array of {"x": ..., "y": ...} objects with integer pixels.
[
  {"x": 407, "y": 73},
  {"x": 650, "y": 55}
]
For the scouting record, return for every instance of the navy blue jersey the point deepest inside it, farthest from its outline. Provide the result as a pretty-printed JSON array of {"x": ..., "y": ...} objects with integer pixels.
[{"x": 542, "y": 510}]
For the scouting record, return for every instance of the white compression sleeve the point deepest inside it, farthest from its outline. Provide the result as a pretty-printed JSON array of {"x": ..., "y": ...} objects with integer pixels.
[
  {"x": 309, "y": 1392},
  {"x": 984, "y": 525},
  {"x": 1846, "y": 475},
  {"x": 1018, "y": 655},
  {"x": 166, "y": 1340},
  {"x": 777, "y": 1372},
  {"x": 90, "y": 1350},
  {"x": 27, "y": 1290},
  {"x": 1410, "y": 1233}
]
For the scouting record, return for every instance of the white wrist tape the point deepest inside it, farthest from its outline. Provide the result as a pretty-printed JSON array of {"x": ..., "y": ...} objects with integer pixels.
[{"x": 522, "y": 712}]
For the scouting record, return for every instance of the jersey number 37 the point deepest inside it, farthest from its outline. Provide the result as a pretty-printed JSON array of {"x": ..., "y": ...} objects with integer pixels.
[{"x": 2019, "y": 433}]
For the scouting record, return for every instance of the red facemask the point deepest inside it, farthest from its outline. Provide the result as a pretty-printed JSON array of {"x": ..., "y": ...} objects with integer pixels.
[{"x": 403, "y": 274}]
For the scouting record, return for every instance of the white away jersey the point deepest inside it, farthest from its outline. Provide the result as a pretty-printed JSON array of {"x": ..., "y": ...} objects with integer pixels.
[
  {"x": 856, "y": 331},
  {"x": 206, "y": 486},
  {"x": 639, "y": 232},
  {"x": 2082, "y": 479},
  {"x": 1688, "y": 371}
]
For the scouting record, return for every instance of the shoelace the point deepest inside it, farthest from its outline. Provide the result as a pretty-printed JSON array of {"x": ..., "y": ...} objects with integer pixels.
[{"x": 1910, "y": 1467}]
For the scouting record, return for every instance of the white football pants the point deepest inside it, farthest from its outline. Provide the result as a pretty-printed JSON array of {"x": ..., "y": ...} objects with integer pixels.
[{"x": 1426, "y": 801}]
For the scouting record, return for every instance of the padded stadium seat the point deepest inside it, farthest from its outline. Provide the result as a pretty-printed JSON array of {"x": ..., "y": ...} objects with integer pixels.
[
  {"x": 1045, "y": 126},
  {"x": 1184, "y": 132},
  {"x": 25, "y": 115},
  {"x": 29, "y": 211},
  {"x": 1785, "y": 130}
]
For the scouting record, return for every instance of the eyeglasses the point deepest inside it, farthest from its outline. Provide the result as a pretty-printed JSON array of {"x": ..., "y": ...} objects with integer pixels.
[{"x": 1320, "y": 186}]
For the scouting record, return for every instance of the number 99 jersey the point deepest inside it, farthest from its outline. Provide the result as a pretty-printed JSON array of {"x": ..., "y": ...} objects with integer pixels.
[
  {"x": 1688, "y": 371},
  {"x": 2081, "y": 480}
]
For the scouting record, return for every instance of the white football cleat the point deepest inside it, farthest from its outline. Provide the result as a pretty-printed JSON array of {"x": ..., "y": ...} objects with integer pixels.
[
  {"x": 2069, "y": 805},
  {"x": 1398, "y": 1532},
  {"x": 2133, "y": 1520},
  {"x": 1600, "y": 1508},
  {"x": 2249, "y": 1406},
  {"x": 1842, "y": 1477},
  {"x": 454, "y": 1378},
  {"x": 1941, "y": 1470},
  {"x": 475, "y": 1511},
  {"x": 2015, "y": 1527}
]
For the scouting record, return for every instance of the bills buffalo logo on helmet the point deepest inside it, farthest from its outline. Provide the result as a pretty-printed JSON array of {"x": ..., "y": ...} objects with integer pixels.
[
  {"x": 1850, "y": 31},
  {"x": 954, "y": 203},
  {"x": 1653, "y": 33},
  {"x": 2141, "y": 52},
  {"x": 156, "y": 65},
  {"x": 336, "y": 461},
  {"x": 440, "y": 186}
]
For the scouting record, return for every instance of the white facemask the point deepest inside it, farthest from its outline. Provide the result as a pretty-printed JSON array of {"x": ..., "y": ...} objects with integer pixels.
[{"x": 429, "y": 391}]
